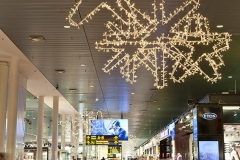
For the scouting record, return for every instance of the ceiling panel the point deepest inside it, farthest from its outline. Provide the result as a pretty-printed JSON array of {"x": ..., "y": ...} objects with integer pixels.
[{"x": 70, "y": 48}]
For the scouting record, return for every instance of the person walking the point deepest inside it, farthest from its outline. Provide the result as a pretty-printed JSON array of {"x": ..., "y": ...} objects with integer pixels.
[{"x": 234, "y": 153}]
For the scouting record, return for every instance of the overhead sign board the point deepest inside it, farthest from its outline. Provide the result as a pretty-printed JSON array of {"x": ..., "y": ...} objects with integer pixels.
[
  {"x": 114, "y": 151},
  {"x": 101, "y": 140}
]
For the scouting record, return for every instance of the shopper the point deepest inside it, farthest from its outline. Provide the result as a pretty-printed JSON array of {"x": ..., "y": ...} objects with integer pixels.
[
  {"x": 234, "y": 153},
  {"x": 179, "y": 156}
]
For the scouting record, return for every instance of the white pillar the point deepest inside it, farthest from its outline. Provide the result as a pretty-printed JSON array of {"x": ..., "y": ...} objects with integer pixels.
[
  {"x": 12, "y": 108},
  {"x": 55, "y": 128},
  {"x": 3, "y": 102},
  {"x": 77, "y": 140},
  {"x": 63, "y": 132},
  {"x": 40, "y": 126},
  {"x": 73, "y": 137},
  {"x": 84, "y": 138}
]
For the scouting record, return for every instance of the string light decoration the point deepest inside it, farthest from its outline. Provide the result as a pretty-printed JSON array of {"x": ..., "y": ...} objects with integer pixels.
[{"x": 191, "y": 30}]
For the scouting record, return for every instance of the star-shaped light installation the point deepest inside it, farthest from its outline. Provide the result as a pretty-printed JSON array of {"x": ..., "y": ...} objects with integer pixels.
[{"x": 191, "y": 30}]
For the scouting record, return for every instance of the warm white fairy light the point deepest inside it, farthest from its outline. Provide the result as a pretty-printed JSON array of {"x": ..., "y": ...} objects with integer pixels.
[{"x": 138, "y": 26}]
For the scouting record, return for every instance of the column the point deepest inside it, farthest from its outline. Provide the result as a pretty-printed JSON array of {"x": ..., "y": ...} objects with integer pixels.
[
  {"x": 40, "y": 126},
  {"x": 77, "y": 143},
  {"x": 55, "y": 128},
  {"x": 63, "y": 132},
  {"x": 73, "y": 137},
  {"x": 3, "y": 102},
  {"x": 84, "y": 139},
  {"x": 12, "y": 108}
]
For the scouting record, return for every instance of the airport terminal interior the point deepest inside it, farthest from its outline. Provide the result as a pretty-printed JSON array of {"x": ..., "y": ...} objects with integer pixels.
[{"x": 119, "y": 79}]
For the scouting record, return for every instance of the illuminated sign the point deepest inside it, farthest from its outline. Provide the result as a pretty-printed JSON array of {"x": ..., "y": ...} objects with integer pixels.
[
  {"x": 114, "y": 151},
  {"x": 101, "y": 140},
  {"x": 209, "y": 116},
  {"x": 165, "y": 133}
]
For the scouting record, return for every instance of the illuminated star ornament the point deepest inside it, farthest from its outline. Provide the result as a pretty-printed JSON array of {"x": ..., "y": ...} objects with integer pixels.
[{"x": 191, "y": 29}]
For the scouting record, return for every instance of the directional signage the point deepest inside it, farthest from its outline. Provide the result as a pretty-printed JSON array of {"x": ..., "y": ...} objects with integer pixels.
[
  {"x": 101, "y": 140},
  {"x": 114, "y": 151}
]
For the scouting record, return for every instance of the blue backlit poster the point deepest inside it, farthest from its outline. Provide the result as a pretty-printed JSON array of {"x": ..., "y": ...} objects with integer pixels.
[
  {"x": 195, "y": 126},
  {"x": 208, "y": 150},
  {"x": 110, "y": 127}
]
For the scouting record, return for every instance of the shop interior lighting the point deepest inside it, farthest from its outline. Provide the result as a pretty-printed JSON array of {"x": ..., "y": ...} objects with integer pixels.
[
  {"x": 231, "y": 107},
  {"x": 138, "y": 26}
]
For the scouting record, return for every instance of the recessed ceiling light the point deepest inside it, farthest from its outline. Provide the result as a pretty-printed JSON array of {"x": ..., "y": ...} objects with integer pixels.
[
  {"x": 159, "y": 109},
  {"x": 34, "y": 118},
  {"x": 37, "y": 38},
  {"x": 27, "y": 115},
  {"x": 132, "y": 93},
  {"x": 60, "y": 71},
  {"x": 219, "y": 26},
  {"x": 97, "y": 99},
  {"x": 72, "y": 89},
  {"x": 83, "y": 65},
  {"x": 82, "y": 101},
  {"x": 67, "y": 26},
  {"x": 28, "y": 99},
  {"x": 91, "y": 86},
  {"x": 229, "y": 76},
  {"x": 155, "y": 101}
]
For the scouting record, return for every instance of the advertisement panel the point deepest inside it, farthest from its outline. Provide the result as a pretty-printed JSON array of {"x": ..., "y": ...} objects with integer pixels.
[
  {"x": 117, "y": 127},
  {"x": 208, "y": 150}
]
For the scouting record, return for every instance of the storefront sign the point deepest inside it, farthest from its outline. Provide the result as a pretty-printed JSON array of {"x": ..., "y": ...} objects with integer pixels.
[
  {"x": 165, "y": 133},
  {"x": 209, "y": 116}
]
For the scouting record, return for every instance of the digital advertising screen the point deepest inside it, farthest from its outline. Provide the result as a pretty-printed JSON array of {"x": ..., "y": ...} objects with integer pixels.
[
  {"x": 208, "y": 150},
  {"x": 117, "y": 127}
]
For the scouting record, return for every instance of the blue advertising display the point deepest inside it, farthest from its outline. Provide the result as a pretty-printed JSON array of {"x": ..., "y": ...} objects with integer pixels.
[
  {"x": 171, "y": 128},
  {"x": 195, "y": 127},
  {"x": 208, "y": 150},
  {"x": 110, "y": 127}
]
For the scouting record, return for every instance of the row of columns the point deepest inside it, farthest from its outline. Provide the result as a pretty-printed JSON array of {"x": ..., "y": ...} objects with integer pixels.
[
  {"x": 9, "y": 82},
  {"x": 9, "y": 78}
]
